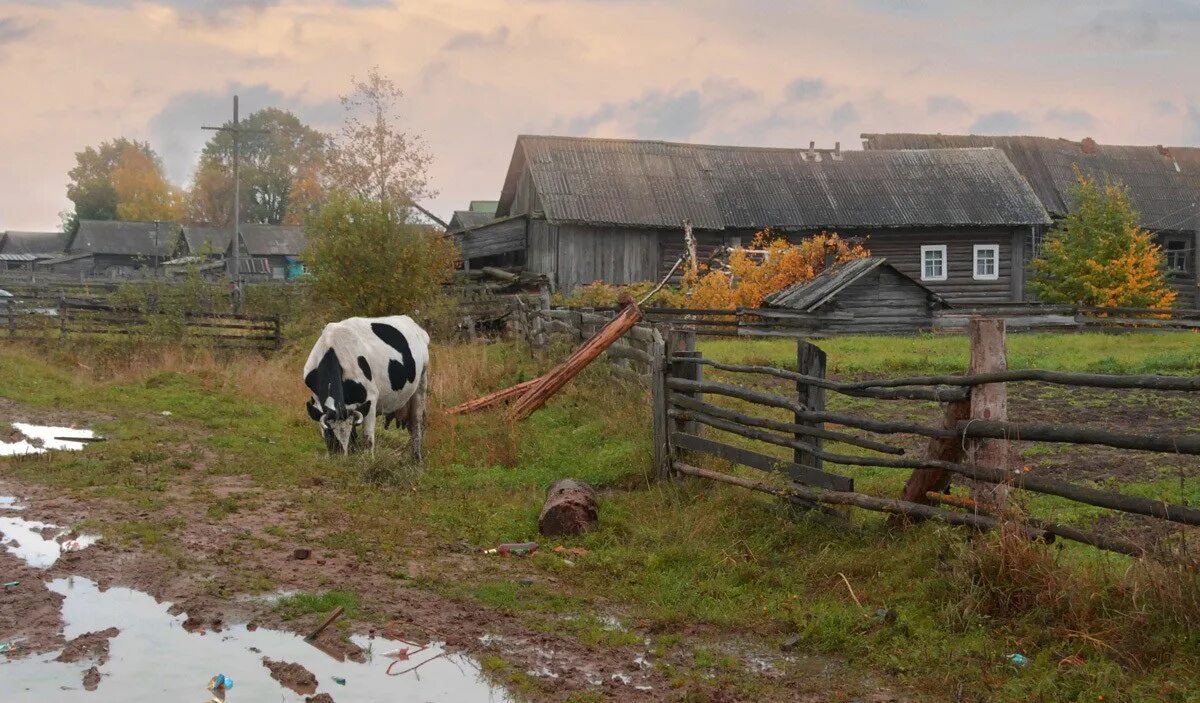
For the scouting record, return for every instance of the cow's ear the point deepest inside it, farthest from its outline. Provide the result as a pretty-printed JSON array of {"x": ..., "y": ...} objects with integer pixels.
[{"x": 313, "y": 411}]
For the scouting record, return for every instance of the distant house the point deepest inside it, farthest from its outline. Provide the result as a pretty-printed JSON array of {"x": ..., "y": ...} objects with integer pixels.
[
  {"x": 1164, "y": 185},
  {"x": 581, "y": 210},
  {"x": 271, "y": 251},
  {"x": 115, "y": 248},
  {"x": 22, "y": 250},
  {"x": 204, "y": 241},
  {"x": 479, "y": 212},
  {"x": 863, "y": 296}
]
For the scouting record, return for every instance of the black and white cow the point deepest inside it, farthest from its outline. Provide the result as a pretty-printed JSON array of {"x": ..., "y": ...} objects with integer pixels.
[{"x": 363, "y": 367}]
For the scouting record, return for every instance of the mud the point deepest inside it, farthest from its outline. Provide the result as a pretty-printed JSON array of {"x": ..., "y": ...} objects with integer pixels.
[
  {"x": 292, "y": 676},
  {"x": 91, "y": 679},
  {"x": 92, "y": 646}
]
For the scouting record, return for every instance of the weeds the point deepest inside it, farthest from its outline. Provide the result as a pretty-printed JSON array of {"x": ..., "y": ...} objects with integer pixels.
[{"x": 298, "y": 605}]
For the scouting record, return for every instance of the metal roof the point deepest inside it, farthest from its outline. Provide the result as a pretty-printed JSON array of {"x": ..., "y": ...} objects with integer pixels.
[
  {"x": 14, "y": 242},
  {"x": 820, "y": 289},
  {"x": 23, "y": 257},
  {"x": 124, "y": 238},
  {"x": 465, "y": 219},
  {"x": 1161, "y": 194},
  {"x": 485, "y": 206},
  {"x": 203, "y": 239},
  {"x": 660, "y": 184},
  {"x": 273, "y": 240}
]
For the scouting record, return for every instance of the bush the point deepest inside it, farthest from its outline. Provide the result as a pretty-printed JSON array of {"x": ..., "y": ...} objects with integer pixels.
[{"x": 363, "y": 261}]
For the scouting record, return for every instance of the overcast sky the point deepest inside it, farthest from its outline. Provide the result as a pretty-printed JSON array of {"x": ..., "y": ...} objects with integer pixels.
[{"x": 479, "y": 72}]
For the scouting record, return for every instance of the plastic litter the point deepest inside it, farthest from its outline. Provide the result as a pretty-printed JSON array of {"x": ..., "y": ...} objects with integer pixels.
[
  {"x": 11, "y": 645},
  {"x": 1018, "y": 659},
  {"x": 339, "y": 680},
  {"x": 11, "y": 584},
  {"x": 219, "y": 684},
  {"x": 518, "y": 549}
]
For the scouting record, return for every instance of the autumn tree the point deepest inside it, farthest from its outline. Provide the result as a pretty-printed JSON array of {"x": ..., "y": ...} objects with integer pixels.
[
  {"x": 364, "y": 261},
  {"x": 1098, "y": 255},
  {"x": 373, "y": 157},
  {"x": 91, "y": 187},
  {"x": 142, "y": 191},
  {"x": 281, "y": 162}
]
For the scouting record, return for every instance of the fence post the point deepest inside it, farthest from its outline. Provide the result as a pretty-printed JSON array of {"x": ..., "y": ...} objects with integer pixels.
[
  {"x": 989, "y": 402},
  {"x": 278, "y": 333},
  {"x": 658, "y": 393},
  {"x": 810, "y": 360},
  {"x": 10, "y": 313},
  {"x": 62, "y": 315},
  {"x": 681, "y": 344}
]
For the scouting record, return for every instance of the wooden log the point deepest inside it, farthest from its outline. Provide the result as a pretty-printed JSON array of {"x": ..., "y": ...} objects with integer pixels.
[
  {"x": 337, "y": 613},
  {"x": 943, "y": 394},
  {"x": 989, "y": 402},
  {"x": 922, "y": 482},
  {"x": 570, "y": 509},
  {"x": 810, "y": 360},
  {"x": 762, "y": 462},
  {"x": 1065, "y": 378},
  {"x": 688, "y": 403},
  {"x": 491, "y": 399},
  {"x": 559, "y": 376},
  {"x": 499, "y": 274},
  {"x": 658, "y": 408}
]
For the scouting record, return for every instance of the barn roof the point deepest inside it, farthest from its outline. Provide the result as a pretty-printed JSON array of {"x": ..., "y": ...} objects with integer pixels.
[
  {"x": 659, "y": 184},
  {"x": 1164, "y": 198},
  {"x": 123, "y": 237},
  {"x": 206, "y": 239},
  {"x": 48, "y": 243},
  {"x": 820, "y": 289},
  {"x": 274, "y": 240},
  {"x": 465, "y": 219}
]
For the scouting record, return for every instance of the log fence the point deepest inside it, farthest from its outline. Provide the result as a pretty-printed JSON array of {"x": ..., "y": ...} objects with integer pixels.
[{"x": 975, "y": 441}]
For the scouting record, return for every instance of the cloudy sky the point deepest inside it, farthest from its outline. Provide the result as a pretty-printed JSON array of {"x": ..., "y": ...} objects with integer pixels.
[{"x": 479, "y": 72}]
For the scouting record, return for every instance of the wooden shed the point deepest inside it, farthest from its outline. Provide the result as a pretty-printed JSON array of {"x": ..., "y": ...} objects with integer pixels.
[
  {"x": 116, "y": 247},
  {"x": 863, "y": 296},
  {"x": 580, "y": 210}
]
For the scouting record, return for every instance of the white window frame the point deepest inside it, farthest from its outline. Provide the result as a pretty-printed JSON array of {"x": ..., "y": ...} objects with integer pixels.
[
  {"x": 995, "y": 274},
  {"x": 940, "y": 248}
]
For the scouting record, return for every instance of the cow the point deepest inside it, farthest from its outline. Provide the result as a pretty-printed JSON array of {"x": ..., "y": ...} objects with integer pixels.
[{"x": 363, "y": 367}]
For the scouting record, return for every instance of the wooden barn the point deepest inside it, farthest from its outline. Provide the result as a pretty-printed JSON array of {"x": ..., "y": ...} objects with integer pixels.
[
  {"x": 1163, "y": 182},
  {"x": 22, "y": 250},
  {"x": 115, "y": 248},
  {"x": 863, "y": 296},
  {"x": 271, "y": 251},
  {"x": 580, "y": 210},
  {"x": 478, "y": 212}
]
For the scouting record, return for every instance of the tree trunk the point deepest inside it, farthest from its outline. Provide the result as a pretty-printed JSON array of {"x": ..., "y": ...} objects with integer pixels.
[{"x": 570, "y": 509}]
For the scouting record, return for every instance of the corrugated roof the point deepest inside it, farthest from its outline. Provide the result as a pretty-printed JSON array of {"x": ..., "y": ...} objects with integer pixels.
[
  {"x": 274, "y": 240},
  {"x": 207, "y": 240},
  {"x": 23, "y": 257},
  {"x": 1164, "y": 198},
  {"x": 465, "y": 219},
  {"x": 124, "y": 238},
  {"x": 485, "y": 206},
  {"x": 659, "y": 184},
  {"x": 14, "y": 242},
  {"x": 815, "y": 292}
]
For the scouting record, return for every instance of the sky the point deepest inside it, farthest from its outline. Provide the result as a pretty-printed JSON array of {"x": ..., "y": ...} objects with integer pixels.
[{"x": 476, "y": 73}]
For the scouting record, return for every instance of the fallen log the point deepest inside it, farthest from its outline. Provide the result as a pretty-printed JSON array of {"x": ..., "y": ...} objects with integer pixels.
[
  {"x": 570, "y": 509},
  {"x": 491, "y": 399},
  {"x": 337, "y": 613},
  {"x": 549, "y": 384}
]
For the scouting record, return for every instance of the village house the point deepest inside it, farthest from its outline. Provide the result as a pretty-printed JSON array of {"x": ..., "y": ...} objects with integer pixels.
[
  {"x": 270, "y": 252},
  {"x": 115, "y": 248},
  {"x": 20, "y": 251},
  {"x": 479, "y": 212},
  {"x": 1163, "y": 183},
  {"x": 580, "y": 210}
]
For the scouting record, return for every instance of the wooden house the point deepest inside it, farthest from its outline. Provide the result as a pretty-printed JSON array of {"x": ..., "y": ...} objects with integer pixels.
[
  {"x": 478, "y": 212},
  {"x": 581, "y": 210},
  {"x": 21, "y": 251},
  {"x": 115, "y": 248},
  {"x": 1163, "y": 183},
  {"x": 271, "y": 251},
  {"x": 863, "y": 296}
]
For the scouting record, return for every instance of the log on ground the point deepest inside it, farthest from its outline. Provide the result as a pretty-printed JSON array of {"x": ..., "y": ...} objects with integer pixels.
[{"x": 570, "y": 509}]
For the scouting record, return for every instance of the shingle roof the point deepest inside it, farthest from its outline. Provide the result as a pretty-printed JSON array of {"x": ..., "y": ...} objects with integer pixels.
[
  {"x": 659, "y": 184},
  {"x": 123, "y": 238},
  {"x": 14, "y": 242},
  {"x": 815, "y": 292},
  {"x": 207, "y": 240},
  {"x": 1164, "y": 198},
  {"x": 465, "y": 219},
  {"x": 274, "y": 240}
]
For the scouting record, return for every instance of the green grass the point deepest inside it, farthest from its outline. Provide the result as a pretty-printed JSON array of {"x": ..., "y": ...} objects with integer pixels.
[{"x": 300, "y": 604}]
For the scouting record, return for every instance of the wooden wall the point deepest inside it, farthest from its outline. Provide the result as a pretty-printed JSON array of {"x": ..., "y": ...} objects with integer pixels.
[
  {"x": 882, "y": 302},
  {"x": 903, "y": 250},
  {"x": 611, "y": 254},
  {"x": 497, "y": 238}
]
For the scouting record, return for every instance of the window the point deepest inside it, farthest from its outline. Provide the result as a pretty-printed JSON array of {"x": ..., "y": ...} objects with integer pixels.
[
  {"x": 1177, "y": 255},
  {"x": 933, "y": 262},
  {"x": 987, "y": 262}
]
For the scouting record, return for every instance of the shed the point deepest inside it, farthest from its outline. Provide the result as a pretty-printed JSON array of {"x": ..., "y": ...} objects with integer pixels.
[
  {"x": 478, "y": 212},
  {"x": 204, "y": 240},
  {"x": 120, "y": 247},
  {"x": 863, "y": 296},
  {"x": 275, "y": 250},
  {"x": 21, "y": 250},
  {"x": 613, "y": 209}
]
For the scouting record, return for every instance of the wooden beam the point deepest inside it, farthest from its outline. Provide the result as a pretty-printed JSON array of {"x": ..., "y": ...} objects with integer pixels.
[
  {"x": 989, "y": 402},
  {"x": 762, "y": 462},
  {"x": 1065, "y": 378},
  {"x": 494, "y": 398}
]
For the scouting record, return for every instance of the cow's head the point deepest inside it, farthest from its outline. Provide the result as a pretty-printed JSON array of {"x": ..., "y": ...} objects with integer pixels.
[{"x": 338, "y": 426}]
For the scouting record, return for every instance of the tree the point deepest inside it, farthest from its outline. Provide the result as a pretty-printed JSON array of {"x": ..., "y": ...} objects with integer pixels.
[
  {"x": 142, "y": 192},
  {"x": 90, "y": 186},
  {"x": 285, "y": 153},
  {"x": 1099, "y": 256},
  {"x": 366, "y": 262},
  {"x": 375, "y": 159}
]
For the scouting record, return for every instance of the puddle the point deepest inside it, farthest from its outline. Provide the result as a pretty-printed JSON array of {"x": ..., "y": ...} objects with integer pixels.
[
  {"x": 153, "y": 659},
  {"x": 10, "y": 503},
  {"x": 39, "y": 544},
  {"x": 45, "y": 437}
]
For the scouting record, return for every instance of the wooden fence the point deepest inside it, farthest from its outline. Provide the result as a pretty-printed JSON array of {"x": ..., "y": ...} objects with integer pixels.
[
  {"x": 632, "y": 356},
  {"x": 973, "y": 441},
  {"x": 39, "y": 319}
]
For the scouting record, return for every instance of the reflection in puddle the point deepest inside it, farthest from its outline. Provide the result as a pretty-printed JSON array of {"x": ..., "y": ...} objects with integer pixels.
[
  {"x": 39, "y": 544},
  {"x": 153, "y": 659},
  {"x": 10, "y": 503},
  {"x": 40, "y": 438}
]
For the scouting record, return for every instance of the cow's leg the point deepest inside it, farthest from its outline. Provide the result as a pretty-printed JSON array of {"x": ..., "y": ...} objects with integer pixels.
[
  {"x": 369, "y": 430},
  {"x": 416, "y": 416}
]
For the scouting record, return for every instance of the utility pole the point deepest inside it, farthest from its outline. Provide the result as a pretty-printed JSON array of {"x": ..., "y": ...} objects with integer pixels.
[{"x": 236, "y": 130}]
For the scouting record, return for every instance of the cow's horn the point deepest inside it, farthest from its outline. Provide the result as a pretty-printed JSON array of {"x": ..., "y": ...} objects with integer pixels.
[
  {"x": 358, "y": 417},
  {"x": 325, "y": 419}
]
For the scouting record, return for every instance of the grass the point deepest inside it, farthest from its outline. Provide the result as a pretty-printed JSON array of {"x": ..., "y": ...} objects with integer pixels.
[{"x": 698, "y": 565}]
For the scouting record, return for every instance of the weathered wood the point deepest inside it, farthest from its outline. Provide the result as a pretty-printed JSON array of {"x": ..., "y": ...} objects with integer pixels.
[
  {"x": 493, "y": 398},
  {"x": 762, "y": 462},
  {"x": 950, "y": 449},
  {"x": 989, "y": 402},
  {"x": 337, "y": 613},
  {"x": 1066, "y": 378},
  {"x": 659, "y": 420},
  {"x": 688, "y": 403},
  {"x": 810, "y": 361},
  {"x": 559, "y": 376},
  {"x": 570, "y": 509},
  {"x": 943, "y": 393}
]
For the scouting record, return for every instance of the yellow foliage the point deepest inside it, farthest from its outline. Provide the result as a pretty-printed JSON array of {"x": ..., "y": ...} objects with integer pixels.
[{"x": 142, "y": 192}]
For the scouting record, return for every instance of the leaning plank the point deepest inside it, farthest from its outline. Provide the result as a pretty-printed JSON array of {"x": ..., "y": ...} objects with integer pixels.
[
  {"x": 1067, "y": 378},
  {"x": 923, "y": 482},
  {"x": 690, "y": 403},
  {"x": 549, "y": 384},
  {"x": 491, "y": 399}
]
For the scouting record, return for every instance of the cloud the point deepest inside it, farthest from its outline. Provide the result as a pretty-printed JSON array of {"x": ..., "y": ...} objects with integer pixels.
[
  {"x": 843, "y": 115},
  {"x": 1165, "y": 107},
  {"x": 804, "y": 89},
  {"x": 477, "y": 40},
  {"x": 13, "y": 29},
  {"x": 1193, "y": 118},
  {"x": 660, "y": 114},
  {"x": 1075, "y": 117},
  {"x": 998, "y": 122},
  {"x": 946, "y": 105}
]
